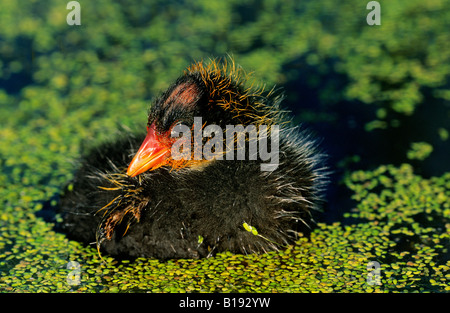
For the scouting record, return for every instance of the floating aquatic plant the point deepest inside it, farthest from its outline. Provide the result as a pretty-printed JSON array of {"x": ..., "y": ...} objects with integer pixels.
[{"x": 404, "y": 228}]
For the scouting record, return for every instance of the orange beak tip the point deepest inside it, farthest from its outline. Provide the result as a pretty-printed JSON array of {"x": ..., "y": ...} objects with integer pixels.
[
  {"x": 143, "y": 161},
  {"x": 130, "y": 172},
  {"x": 151, "y": 154}
]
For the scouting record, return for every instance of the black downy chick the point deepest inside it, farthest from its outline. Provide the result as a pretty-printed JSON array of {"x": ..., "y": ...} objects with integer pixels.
[{"x": 163, "y": 206}]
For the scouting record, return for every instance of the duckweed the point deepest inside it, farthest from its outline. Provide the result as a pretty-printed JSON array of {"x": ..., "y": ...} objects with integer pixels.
[{"x": 334, "y": 258}]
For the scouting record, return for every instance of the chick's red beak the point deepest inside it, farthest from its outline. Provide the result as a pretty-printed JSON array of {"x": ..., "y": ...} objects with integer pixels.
[{"x": 152, "y": 154}]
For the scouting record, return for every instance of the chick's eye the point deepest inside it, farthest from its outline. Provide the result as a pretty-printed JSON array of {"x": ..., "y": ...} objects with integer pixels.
[
  {"x": 179, "y": 129},
  {"x": 175, "y": 127},
  {"x": 177, "y": 123}
]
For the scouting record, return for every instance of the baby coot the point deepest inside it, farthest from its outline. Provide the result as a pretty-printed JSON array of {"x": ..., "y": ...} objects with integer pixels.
[{"x": 220, "y": 168}]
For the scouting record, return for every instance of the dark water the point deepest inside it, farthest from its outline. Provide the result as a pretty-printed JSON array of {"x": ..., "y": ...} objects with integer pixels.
[{"x": 339, "y": 125}]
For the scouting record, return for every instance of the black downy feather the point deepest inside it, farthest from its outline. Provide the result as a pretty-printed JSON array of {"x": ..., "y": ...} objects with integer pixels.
[{"x": 197, "y": 211}]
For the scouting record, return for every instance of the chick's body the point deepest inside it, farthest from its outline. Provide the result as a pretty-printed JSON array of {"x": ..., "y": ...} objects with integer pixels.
[{"x": 166, "y": 208}]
